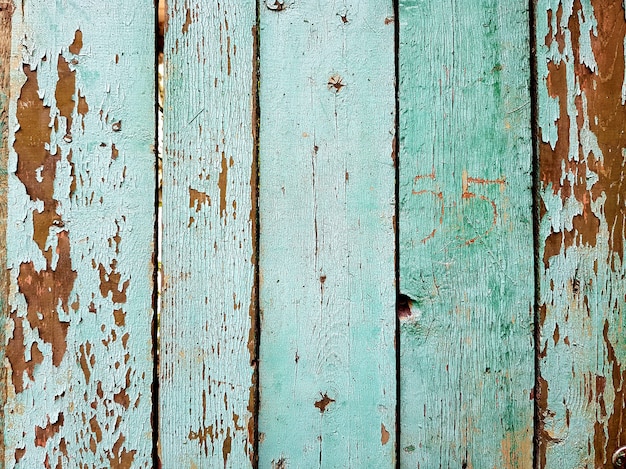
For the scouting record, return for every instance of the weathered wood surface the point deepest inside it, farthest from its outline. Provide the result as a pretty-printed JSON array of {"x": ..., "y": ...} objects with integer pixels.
[
  {"x": 582, "y": 150},
  {"x": 466, "y": 263},
  {"x": 207, "y": 320},
  {"x": 80, "y": 235},
  {"x": 326, "y": 252},
  {"x": 6, "y": 13}
]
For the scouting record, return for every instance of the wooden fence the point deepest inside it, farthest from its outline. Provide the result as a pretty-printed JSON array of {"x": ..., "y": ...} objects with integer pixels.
[{"x": 390, "y": 235}]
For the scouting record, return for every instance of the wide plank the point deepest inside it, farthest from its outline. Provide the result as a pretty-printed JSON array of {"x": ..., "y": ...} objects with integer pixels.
[
  {"x": 208, "y": 305},
  {"x": 326, "y": 251},
  {"x": 81, "y": 184},
  {"x": 466, "y": 238},
  {"x": 581, "y": 147}
]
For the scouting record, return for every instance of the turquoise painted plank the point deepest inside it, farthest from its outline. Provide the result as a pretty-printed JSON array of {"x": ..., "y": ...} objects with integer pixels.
[
  {"x": 581, "y": 146},
  {"x": 326, "y": 252},
  {"x": 80, "y": 235},
  {"x": 466, "y": 239},
  {"x": 6, "y": 12},
  {"x": 207, "y": 319}
]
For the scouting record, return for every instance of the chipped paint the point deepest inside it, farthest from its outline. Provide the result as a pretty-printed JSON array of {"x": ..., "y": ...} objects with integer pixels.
[
  {"x": 323, "y": 402},
  {"x": 6, "y": 13},
  {"x": 581, "y": 75},
  {"x": 208, "y": 346},
  {"x": 79, "y": 372},
  {"x": 384, "y": 434}
]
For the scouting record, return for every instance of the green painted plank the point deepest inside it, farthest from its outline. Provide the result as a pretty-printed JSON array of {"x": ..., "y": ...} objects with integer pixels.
[
  {"x": 326, "y": 252},
  {"x": 80, "y": 235},
  {"x": 466, "y": 263},
  {"x": 6, "y": 13},
  {"x": 581, "y": 146},
  {"x": 207, "y": 318}
]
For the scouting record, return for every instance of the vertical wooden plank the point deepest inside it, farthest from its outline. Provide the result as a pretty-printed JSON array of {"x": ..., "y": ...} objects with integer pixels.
[
  {"x": 466, "y": 262},
  {"x": 582, "y": 155},
  {"x": 80, "y": 235},
  {"x": 326, "y": 250},
  {"x": 6, "y": 13},
  {"x": 207, "y": 342}
]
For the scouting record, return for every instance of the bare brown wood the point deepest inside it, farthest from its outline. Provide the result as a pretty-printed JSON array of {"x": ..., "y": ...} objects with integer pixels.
[
  {"x": 6, "y": 12},
  {"x": 582, "y": 151}
]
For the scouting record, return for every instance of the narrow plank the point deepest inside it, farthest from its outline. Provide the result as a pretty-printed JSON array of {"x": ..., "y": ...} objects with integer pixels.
[
  {"x": 6, "y": 14},
  {"x": 466, "y": 263},
  {"x": 582, "y": 146},
  {"x": 207, "y": 341},
  {"x": 80, "y": 235},
  {"x": 326, "y": 249}
]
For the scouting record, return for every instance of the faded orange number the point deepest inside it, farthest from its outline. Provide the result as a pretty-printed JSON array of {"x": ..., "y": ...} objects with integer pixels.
[
  {"x": 438, "y": 197},
  {"x": 469, "y": 187}
]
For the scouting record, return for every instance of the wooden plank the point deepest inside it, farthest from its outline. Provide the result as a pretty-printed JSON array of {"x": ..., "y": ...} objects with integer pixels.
[
  {"x": 6, "y": 14},
  {"x": 326, "y": 250},
  {"x": 80, "y": 235},
  {"x": 207, "y": 341},
  {"x": 466, "y": 263},
  {"x": 582, "y": 148}
]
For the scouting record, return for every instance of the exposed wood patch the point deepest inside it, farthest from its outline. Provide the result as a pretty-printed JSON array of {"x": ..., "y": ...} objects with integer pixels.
[
  {"x": 6, "y": 14},
  {"x": 80, "y": 232},
  {"x": 323, "y": 402},
  {"x": 581, "y": 76},
  {"x": 208, "y": 344}
]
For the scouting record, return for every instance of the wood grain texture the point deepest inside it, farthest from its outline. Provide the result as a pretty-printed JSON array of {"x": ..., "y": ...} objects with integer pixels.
[
  {"x": 207, "y": 319},
  {"x": 466, "y": 263},
  {"x": 326, "y": 252},
  {"x": 80, "y": 235},
  {"x": 582, "y": 154},
  {"x": 6, "y": 14}
]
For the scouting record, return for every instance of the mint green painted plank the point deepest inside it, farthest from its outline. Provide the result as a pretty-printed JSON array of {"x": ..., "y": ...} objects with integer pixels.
[
  {"x": 466, "y": 252},
  {"x": 326, "y": 253},
  {"x": 80, "y": 235},
  {"x": 582, "y": 146},
  {"x": 207, "y": 333}
]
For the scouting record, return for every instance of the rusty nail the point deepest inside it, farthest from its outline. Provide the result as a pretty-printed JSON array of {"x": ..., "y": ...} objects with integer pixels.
[
  {"x": 276, "y": 5},
  {"x": 335, "y": 83}
]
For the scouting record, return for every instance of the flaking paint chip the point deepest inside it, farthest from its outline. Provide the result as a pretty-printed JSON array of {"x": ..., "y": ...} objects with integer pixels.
[{"x": 324, "y": 402}]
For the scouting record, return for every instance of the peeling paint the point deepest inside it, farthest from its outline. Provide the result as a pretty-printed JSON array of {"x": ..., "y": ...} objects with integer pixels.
[
  {"x": 222, "y": 183},
  {"x": 79, "y": 371},
  {"x": 384, "y": 435},
  {"x": 110, "y": 283},
  {"x": 323, "y": 402},
  {"x": 209, "y": 149},
  {"x": 581, "y": 72},
  {"x": 15, "y": 352},
  {"x": 44, "y": 292},
  {"x": 42, "y": 435},
  {"x": 6, "y": 13},
  {"x": 197, "y": 199}
]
